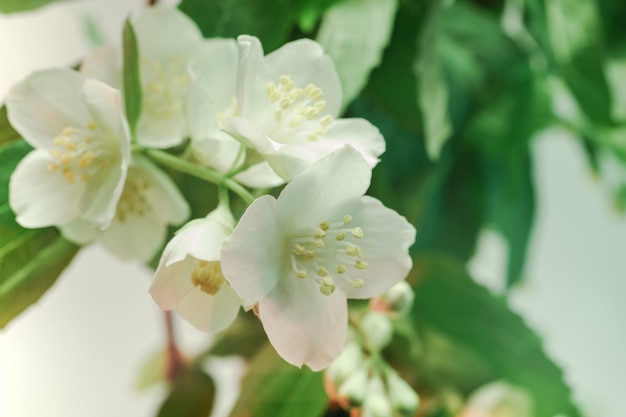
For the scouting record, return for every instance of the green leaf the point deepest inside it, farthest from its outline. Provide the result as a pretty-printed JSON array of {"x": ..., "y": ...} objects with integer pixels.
[
  {"x": 433, "y": 93},
  {"x": 132, "y": 80},
  {"x": 274, "y": 388},
  {"x": 467, "y": 313},
  {"x": 192, "y": 395},
  {"x": 30, "y": 259},
  {"x": 269, "y": 20},
  {"x": 153, "y": 371},
  {"x": 13, "y": 6},
  {"x": 576, "y": 37},
  {"x": 355, "y": 33},
  {"x": 244, "y": 338}
]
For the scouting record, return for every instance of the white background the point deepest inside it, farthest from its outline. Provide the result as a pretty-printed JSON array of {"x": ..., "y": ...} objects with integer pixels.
[{"x": 79, "y": 350}]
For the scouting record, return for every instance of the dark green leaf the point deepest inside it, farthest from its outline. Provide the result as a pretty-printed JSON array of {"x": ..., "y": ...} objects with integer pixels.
[
  {"x": 192, "y": 395},
  {"x": 274, "y": 388},
  {"x": 269, "y": 20},
  {"x": 132, "y": 80},
  {"x": 451, "y": 302},
  {"x": 13, "y": 6},
  {"x": 30, "y": 259}
]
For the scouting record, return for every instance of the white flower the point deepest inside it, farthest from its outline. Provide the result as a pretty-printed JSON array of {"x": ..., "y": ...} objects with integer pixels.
[
  {"x": 167, "y": 41},
  {"x": 288, "y": 102},
  {"x": 82, "y": 149},
  {"x": 302, "y": 255},
  {"x": 189, "y": 277},
  {"x": 149, "y": 203},
  {"x": 212, "y": 98}
]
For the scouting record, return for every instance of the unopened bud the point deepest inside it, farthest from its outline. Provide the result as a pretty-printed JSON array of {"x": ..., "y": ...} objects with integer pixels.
[
  {"x": 376, "y": 402},
  {"x": 377, "y": 331},
  {"x": 403, "y": 399},
  {"x": 397, "y": 301},
  {"x": 345, "y": 364},
  {"x": 354, "y": 387}
]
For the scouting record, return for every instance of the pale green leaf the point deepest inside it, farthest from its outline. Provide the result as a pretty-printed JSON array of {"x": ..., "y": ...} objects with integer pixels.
[
  {"x": 132, "y": 80},
  {"x": 13, "y": 6},
  {"x": 433, "y": 94},
  {"x": 274, "y": 388},
  {"x": 355, "y": 33}
]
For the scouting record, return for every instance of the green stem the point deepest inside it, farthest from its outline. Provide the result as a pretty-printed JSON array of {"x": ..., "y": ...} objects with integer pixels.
[{"x": 176, "y": 163}]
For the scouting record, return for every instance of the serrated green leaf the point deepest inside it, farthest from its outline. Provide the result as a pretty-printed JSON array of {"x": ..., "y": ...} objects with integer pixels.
[
  {"x": 132, "y": 78},
  {"x": 274, "y": 388},
  {"x": 192, "y": 395},
  {"x": 451, "y": 302},
  {"x": 354, "y": 33},
  {"x": 13, "y": 6},
  {"x": 432, "y": 89},
  {"x": 30, "y": 259}
]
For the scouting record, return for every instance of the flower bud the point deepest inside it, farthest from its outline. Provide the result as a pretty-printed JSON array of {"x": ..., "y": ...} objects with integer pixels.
[
  {"x": 354, "y": 387},
  {"x": 397, "y": 301},
  {"x": 377, "y": 331},
  {"x": 403, "y": 399},
  {"x": 376, "y": 402},
  {"x": 345, "y": 364}
]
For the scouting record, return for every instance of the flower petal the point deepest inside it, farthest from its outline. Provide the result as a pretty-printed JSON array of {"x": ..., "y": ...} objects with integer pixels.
[
  {"x": 315, "y": 194},
  {"x": 260, "y": 175},
  {"x": 164, "y": 30},
  {"x": 169, "y": 203},
  {"x": 40, "y": 197},
  {"x": 210, "y": 313},
  {"x": 305, "y": 62},
  {"x": 220, "y": 153},
  {"x": 252, "y": 259},
  {"x": 172, "y": 283},
  {"x": 45, "y": 103},
  {"x": 213, "y": 88},
  {"x": 155, "y": 131},
  {"x": 104, "y": 64},
  {"x": 359, "y": 133},
  {"x": 385, "y": 244},
  {"x": 305, "y": 326}
]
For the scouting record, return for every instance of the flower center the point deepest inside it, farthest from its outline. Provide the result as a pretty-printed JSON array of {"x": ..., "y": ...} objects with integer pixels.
[
  {"x": 165, "y": 85},
  {"x": 133, "y": 200},
  {"x": 76, "y": 154},
  {"x": 327, "y": 253},
  {"x": 297, "y": 108},
  {"x": 208, "y": 276}
]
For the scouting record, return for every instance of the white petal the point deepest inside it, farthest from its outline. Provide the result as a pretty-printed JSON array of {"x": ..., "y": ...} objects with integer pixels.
[
  {"x": 359, "y": 133},
  {"x": 220, "y": 153},
  {"x": 210, "y": 313},
  {"x": 138, "y": 237},
  {"x": 213, "y": 88},
  {"x": 385, "y": 245},
  {"x": 104, "y": 64},
  {"x": 79, "y": 232},
  {"x": 252, "y": 259},
  {"x": 162, "y": 31},
  {"x": 260, "y": 175},
  {"x": 251, "y": 93},
  {"x": 304, "y": 326},
  {"x": 161, "y": 132},
  {"x": 250, "y": 135},
  {"x": 104, "y": 189},
  {"x": 314, "y": 195},
  {"x": 45, "y": 103},
  {"x": 40, "y": 197},
  {"x": 172, "y": 283},
  {"x": 305, "y": 62},
  {"x": 201, "y": 239},
  {"x": 169, "y": 204}
]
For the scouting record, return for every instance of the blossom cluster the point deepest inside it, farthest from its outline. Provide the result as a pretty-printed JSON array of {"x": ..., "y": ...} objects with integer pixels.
[{"x": 258, "y": 120}]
